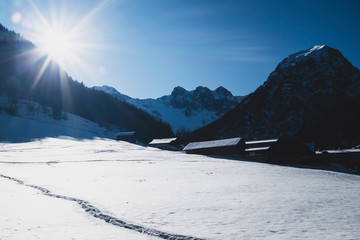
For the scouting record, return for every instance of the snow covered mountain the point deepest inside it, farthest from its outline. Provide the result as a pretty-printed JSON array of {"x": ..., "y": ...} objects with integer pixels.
[
  {"x": 184, "y": 110},
  {"x": 313, "y": 94}
]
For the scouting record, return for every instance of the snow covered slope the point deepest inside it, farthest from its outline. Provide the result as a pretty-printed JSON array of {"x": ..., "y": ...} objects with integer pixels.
[
  {"x": 33, "y": 120},
  {"x": 104, "y": 189},
  {"x": 184, "y": 110}
]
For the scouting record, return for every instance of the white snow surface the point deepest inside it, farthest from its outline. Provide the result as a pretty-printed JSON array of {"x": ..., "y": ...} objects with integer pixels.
[
  {"x": 26, "y": 214},
  {"x": 191, "y": 195}
]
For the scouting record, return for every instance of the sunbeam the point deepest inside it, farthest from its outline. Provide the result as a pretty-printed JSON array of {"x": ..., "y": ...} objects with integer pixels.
[{"x": 41, "y": 72}]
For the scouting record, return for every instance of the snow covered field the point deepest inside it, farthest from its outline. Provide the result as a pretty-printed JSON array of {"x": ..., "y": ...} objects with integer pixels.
[{"x": 102, "y": 189}]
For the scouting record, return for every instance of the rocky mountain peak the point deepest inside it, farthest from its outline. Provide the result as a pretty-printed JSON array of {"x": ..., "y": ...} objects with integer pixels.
[
  {"x": 107, "y": 89},
  {"x": 202, "y": 93},
  {"x": 317, "y": 53},
  {"x": 202, "y": 89},
  {"x": 320, "y": 54},
  {"x": 223, "y": 92},
  {"x": 318, "y": 70},
  {"x": 112, "y": 91},
  {"x": 179, "y": 91}
]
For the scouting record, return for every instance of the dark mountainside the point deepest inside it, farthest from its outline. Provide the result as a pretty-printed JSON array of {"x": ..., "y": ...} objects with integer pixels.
[
  {"x": 313, "y": 95},
  {"x": 20, "y": 66}
]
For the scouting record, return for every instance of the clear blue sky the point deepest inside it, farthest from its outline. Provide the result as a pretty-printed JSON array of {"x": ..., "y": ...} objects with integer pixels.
[{"x": 144, "y": 48}]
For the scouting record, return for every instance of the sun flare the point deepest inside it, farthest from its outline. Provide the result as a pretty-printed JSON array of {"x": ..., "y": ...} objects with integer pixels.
[
  {"x": 58, "y": 45},
  {"x": 64, "y": 38}
]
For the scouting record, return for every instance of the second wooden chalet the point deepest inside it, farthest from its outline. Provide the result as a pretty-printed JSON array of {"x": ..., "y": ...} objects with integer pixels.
[{"x": 224, "y": 147}]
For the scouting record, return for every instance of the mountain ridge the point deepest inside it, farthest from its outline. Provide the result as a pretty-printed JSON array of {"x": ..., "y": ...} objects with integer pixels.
[{"x": 183, "y": 110}]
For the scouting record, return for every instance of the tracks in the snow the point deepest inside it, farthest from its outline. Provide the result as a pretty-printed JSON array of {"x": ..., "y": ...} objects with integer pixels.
[
  {"x": 80, "y": 161},
  {"x": 95, "y": 212}
]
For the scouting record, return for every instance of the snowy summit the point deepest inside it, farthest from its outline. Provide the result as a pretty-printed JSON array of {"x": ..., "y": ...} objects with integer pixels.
[{"x": 317, "y": 52}]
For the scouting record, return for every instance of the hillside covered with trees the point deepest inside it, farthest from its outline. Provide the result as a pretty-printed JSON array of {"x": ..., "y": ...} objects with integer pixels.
[{"x": 26, "y": 74}]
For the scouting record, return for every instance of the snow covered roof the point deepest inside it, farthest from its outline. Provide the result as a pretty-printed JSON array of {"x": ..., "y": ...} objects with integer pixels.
[
  {"x": 162, "y": 141},
  {"x": 339, "y": 151},
  {"x": 120, "y": 134},
  {"x": 212, "y": 144},
  {"x": 256, "y": 149},
  {"x": 261, "y": 141}
]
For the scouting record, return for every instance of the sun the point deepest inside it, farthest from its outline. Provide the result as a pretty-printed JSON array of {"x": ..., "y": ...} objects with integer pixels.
[
  {"x": 63, "y": 38},
  {"x": 58, "y": 44}
]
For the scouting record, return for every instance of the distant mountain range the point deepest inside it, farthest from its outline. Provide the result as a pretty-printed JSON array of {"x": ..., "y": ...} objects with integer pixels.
[
  {"x": 313, "y": 94},
  {"x": 184, "y": 110},
  {"x": 26, "y": 75}
]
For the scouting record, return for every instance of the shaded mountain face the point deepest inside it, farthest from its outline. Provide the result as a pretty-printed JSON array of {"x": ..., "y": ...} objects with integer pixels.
[
  {"x": 313, "y": 94},
  {"x": 184, "y": 110},
  {"x": 24, "y": 74}
]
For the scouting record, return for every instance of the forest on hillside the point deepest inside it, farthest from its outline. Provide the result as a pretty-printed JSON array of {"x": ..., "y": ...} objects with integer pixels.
[{"x": 26, "y": 75}]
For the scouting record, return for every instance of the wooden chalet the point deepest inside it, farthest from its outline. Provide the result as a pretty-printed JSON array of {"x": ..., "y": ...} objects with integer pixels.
[
  {"x": 231, "y": 147},
  {"x": 349, "y": 158},
  {"x": 286, "y": 149},
  {"x": 164, "y": 143},
  {"x": 256, "y": 150}
]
